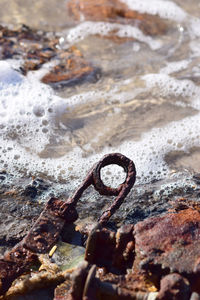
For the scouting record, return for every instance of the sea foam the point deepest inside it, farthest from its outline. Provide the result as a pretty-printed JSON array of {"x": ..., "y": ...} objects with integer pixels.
[
  {"x": 31, "y": 113},
  {"x": 87, "y": 28},
  {"x": 30, "y": 109}
]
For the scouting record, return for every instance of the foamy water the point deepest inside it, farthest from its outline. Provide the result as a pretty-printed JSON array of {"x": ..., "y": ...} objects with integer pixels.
[{"x": 62, "y": 135}]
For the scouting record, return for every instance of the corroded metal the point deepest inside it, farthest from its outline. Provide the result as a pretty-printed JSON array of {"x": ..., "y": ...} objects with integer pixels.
[
  {"x": 157, "y": 258},
  {"x": 115, "y": 251},
  {"x": 169, "y": 242},
  {"x": 48, "y": 226},
  {"x": 15, "y": 263},
  {"x": 174, "y": 286},
  {"x": 123, "y": 189},
  {"x": 156, "y": 247},
  {"x": 91, "y": 286},
  {"x": 110, "y": 254},
  {"x": 46, "y": 230}
]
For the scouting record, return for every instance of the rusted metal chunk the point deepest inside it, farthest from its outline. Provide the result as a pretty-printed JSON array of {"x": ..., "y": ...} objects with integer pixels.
[
  {"x": 125, "y": 248},
  {"x": 174, "y": 287},
  {"x": 40, "y": 239},
  {"x": 47, "y": 229},
  {"x": 115, "y": 251},
  {"x": 100, "y": 247},
  {"x": 73, "y": 289},
  {"x": 19, "y": 254},
  {"x": 15, "y": 263},
  {"x": 123, "y": 189},
  {"x": 168, "y": 243},
  {"x": 134, "y": 285},
  {"x": 9, "y": 271},
  {"x": 118, "y": 12},
  {"x": 93, "y": 286}
]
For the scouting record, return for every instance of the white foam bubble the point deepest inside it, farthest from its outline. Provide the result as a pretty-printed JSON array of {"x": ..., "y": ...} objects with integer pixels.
[
  {"x": 24, "y": 108},
  {"x": 8, "y": 75},
  {"x": 195, "y": 48},
  {"x": 85, "y": 29},
  {"x": 167, "y": 10},
  {"x": 175, "y": 66},
  {"x": 194, "y": 25},
  {"x": 163, "y": 8},
  {"x": 167, "y": 85},
  {"x": 150, "y": 151}
]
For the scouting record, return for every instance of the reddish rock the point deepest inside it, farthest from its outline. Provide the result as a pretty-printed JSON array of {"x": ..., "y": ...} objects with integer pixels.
[
  {"x": 118, "y": 12},
  {"x": 71, "y": 69},
  {"x": 35, "y": 49}
]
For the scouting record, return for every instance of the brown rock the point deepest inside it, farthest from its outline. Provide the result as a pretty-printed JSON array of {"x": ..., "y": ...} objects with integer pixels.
[
  {"x": 118, "y": 12},
  {"x": 35, "y": 49},
  {"x": 71, "y": 69}
]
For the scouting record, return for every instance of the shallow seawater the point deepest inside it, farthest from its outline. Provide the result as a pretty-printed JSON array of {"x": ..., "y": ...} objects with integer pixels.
[{"x": 146, "y": 103}]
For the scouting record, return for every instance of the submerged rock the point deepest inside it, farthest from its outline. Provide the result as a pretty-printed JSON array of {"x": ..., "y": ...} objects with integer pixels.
[
  {"x": 37, "y": 48},
  {"x": 71, "y": 70},
  {"x": 68, "y": 256},
  {"x": 115, "y": 11}
]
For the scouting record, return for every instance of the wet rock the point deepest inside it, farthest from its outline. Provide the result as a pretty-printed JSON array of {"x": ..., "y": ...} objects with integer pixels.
[
  {"x": 72, "y": 69},
  {"x": 174, "y": 287},
  {"x": 118, "y": 12},
  {"x": 30, "y": 191},
  {"x": 35, "y": 188},
  {"x": 2, "y": 175},
  {"x": 196, "y": 178},
  {"x": 41, "y": 185},
  {"x": 17, "y": 215},
  {"x": 37, "y": 48},
  {"x": 150, "y": 202}
]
